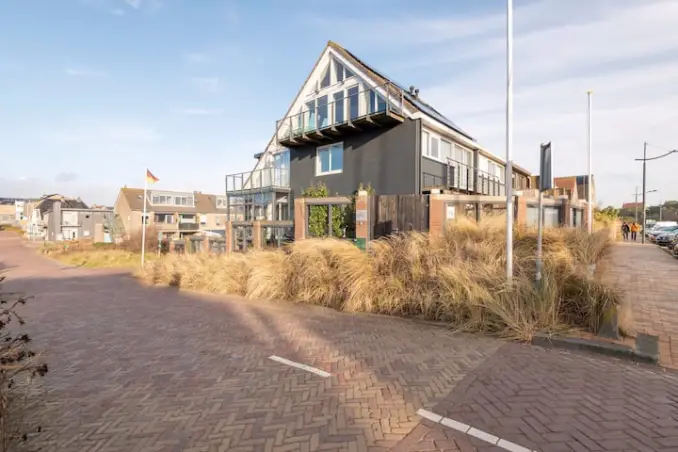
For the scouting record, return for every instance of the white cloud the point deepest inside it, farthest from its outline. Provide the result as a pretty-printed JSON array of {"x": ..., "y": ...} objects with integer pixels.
[
  {"x": 136, "y": 4},
  {"x": 625, "y": 50},
  {"x": 198, "y": 111},
  {"x": 209, "y": 84},
  {"x": 79, "y": 72}
]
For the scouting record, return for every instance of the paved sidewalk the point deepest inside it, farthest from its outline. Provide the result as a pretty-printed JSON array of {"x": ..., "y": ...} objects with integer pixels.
[{"x": 649, "y": 277}]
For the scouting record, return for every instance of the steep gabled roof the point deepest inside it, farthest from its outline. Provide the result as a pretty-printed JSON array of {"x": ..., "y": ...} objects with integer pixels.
[{"x": 414, "y": 102}]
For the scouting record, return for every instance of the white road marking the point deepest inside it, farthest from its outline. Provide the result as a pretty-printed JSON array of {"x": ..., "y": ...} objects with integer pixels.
[
  {"x": 468, "y": 430},
  {"x": 313, "y": 370}
]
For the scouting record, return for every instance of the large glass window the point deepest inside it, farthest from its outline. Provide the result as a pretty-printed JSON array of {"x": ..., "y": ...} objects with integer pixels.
[
  {"x": 445, "y": 150},
  {"x": 339, "y": 71},
  {"x": 325, "y": 81},
  {"x": 310, "y": 115},
  {"x": 323, "y": 118},
  {"x": 339, "y": 107},
  {"x": 376, "y": 102},
  {"x": 330, "y": 159},
  {"x": 353, "y": 102},
  {"x": 435, "y": 152}
]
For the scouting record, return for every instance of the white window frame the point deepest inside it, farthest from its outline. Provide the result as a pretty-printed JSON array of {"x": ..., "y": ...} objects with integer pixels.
[
  {"x": 318, "y": 165},
  {"x": 425, "y": 143},
  {"x": 426, "y": 137}
]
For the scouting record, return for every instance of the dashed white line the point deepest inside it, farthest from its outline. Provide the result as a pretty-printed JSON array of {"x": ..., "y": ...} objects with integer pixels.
[
  {"x": 313, "y": 370},
  {"x": 468, "y": 430}
]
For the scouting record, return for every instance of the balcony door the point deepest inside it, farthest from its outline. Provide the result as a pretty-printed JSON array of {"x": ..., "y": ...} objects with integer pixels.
[
  {"x": 466, "y": 168},
  {"x": 281, "y": 171}
]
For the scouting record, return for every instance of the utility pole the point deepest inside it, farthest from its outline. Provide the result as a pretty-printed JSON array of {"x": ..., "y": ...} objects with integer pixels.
[
  {"x": 661, "y": 204},
  {"x": 635, "y": 204},
  {"x": 644, "y": 160}
]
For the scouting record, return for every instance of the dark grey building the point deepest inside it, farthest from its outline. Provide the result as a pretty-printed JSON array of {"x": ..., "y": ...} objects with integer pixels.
[
  {"x": 73, "y": 223},
  {"x": 351, "y": 125}
]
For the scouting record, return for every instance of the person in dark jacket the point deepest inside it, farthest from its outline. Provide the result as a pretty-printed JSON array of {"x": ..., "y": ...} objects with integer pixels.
[{"x": 625, "y": 231}]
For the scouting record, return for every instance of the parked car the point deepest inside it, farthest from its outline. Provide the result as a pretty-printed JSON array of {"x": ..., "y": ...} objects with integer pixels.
[
  {"x": 658, "y": 226},
  {"x": 652, "y": 235},
  {"x": 665, "y": 238}
]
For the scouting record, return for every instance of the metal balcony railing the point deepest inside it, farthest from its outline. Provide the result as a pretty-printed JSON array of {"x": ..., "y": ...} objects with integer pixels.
[
  {"x": 264, "y": 178},
  {"x": 467, "y": 178},
  {"x": 189, "y": 226},
  {"x": 355, "y": 105}
]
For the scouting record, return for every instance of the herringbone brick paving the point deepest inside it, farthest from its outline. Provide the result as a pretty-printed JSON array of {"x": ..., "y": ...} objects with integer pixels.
[
  {"x": 141, "y": 369},
  {"x": 648, "y": 277},
  {"x": 550, "y": 400}
]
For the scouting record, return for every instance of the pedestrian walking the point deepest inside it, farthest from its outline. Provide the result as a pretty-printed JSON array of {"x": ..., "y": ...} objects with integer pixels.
[
  {"x": 634, "y": 231},
  {"x": 625, "y": 231}
]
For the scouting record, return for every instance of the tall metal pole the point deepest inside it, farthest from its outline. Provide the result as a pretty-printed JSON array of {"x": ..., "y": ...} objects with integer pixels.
[
  {"x": 636, "y": 206},
  {"x": 509, "y": 141},
  {"x": 143, "y": 222},
  {"x": 589, "y": 182},
  {"x": 661, "y": 203},
  {"x": 540, "y": 233},
  {"x": 642, "y": 232}
]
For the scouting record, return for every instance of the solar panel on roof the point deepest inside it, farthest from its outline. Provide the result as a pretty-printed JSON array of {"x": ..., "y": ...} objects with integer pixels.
[{"x": 421, "y": 105}]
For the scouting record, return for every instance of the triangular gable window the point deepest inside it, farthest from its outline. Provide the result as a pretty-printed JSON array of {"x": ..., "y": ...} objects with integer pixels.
[
  {"x": 340, "y": 72},
  {"x": 325, "y": 81}
]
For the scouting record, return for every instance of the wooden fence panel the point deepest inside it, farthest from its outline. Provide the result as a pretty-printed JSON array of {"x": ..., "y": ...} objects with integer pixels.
[{"x": 399, "y": 213}]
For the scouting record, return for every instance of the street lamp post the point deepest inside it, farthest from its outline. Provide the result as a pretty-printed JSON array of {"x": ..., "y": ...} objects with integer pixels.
[
  {"x": 509, "y": 141},
  {"x": 645, "y": 160},
  {"x": 589, "y": 182}
]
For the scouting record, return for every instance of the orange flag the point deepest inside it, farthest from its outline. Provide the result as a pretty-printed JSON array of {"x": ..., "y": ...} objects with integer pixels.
[{"x": 150, "y": 178}]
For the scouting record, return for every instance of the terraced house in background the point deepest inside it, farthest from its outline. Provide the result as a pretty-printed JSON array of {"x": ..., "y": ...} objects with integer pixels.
[
  {"x": 172, "y": 214},
  {"x": 349, "y": 124}
]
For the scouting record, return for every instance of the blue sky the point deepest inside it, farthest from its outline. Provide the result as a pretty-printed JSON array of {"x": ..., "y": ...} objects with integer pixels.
[{"x": 95, "y": 91}]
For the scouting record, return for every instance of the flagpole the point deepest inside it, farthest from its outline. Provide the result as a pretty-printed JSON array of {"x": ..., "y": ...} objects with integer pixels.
[{"x": 143, "y": 221}]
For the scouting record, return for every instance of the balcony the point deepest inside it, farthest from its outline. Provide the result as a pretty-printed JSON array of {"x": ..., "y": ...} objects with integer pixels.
[
  {"x": 326, "y": 122},
  {"x": 258, "y": 181},
  {"x": 467, "y": 179},
  {"x": 189, "y": 226}
]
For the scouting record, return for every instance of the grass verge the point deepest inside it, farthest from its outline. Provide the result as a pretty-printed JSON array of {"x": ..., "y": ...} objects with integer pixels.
[{"x": 456, "y": 278}]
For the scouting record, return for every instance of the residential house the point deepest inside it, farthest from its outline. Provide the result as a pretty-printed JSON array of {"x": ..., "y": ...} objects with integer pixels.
[
  {"x": 7, "y": 213},
  {"x": 349, "y": 125},
  {"x": 34, "y": 214},
  {"x": 578, "y": 184},
  {"x": 71, "y": 219},
  {"x": 172, "y": 214}
]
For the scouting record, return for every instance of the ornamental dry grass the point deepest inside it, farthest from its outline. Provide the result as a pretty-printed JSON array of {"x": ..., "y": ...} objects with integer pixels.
[{"x": 456, "y": 278}]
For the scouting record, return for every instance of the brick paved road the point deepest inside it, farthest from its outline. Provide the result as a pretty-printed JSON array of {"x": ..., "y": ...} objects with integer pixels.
[
  {"x": 139, "y": 369},
  {"x": 550, "y": 400},
  {"x": 649, "y": 277}
]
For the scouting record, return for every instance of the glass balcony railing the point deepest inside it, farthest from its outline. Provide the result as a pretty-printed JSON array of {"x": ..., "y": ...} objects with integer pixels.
[
  {"x": 264, "y": 178},
  {"x": 346, "y": 106}
]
